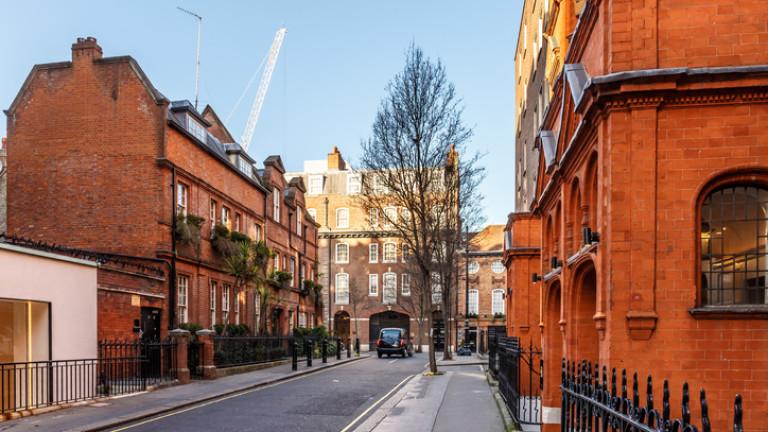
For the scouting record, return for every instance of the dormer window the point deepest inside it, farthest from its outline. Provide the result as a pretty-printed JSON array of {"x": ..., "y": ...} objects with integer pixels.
[
  {"x": 196, "y": 129},
  {"x": 315, "y": 184},
  {"x": 353, "y": 184},
  {"x": 245, "y": 166},
  {"x": 299, "y": 220}
]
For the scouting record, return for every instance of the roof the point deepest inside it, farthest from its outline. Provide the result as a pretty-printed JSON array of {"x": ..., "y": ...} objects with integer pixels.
[
  {"x": 209, "y": 112},
  {"x": 490, "y": 239},
  {"x": 158, "y": 97},
  {"x": 276, "y": 161}
]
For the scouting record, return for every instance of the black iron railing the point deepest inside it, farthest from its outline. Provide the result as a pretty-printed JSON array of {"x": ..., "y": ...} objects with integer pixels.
[
  {"x": 243, "y": 350},
  {"x": 195, "y": 358},
  {"x": 518, "y": 371},
  {"x": 590, "y": 404},
  {"x": 122, "y": 367}
]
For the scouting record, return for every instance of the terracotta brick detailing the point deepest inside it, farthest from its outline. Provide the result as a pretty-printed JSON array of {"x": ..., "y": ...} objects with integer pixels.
[{"x": 633, "y": 161}]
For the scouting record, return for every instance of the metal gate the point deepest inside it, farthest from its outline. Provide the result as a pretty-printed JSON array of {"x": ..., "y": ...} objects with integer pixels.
[{"x": 519, "y": 371}]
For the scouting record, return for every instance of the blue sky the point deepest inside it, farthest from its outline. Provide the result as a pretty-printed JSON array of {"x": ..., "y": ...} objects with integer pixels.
[{"x": 337, "y": 58}]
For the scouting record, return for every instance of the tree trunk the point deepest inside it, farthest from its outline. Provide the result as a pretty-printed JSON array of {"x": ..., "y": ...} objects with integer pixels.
[
  {"x": 432, "y": 358},
  {"x": 447, "y": 341},
  {"x": 419, "y": 334}
]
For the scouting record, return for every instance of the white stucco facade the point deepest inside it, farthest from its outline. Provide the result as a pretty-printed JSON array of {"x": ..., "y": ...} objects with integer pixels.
[{"x": 36, "y": 287}]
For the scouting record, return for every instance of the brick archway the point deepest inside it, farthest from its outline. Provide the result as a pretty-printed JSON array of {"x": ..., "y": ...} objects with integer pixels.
[
  {"x": 582, "y": 335},
  {"x": 552, "y": 345}
]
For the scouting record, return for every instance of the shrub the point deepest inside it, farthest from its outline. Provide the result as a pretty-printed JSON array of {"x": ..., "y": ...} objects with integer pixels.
[
  {"x": 221, "y": 241},
  {"x": 219, "y": 329},
  {"x": 188, "y": 230},
  {"x": 239, "y": 237},
  {"x": 191, "y": 327},
  {"x": 237, "y": 330}
]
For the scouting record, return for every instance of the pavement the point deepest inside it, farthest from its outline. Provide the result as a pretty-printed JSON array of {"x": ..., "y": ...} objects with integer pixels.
[{"x": 458, "y": 400}]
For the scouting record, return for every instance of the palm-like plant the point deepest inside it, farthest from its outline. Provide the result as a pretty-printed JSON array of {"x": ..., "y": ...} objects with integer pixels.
[{"x": 248, "y": 264}]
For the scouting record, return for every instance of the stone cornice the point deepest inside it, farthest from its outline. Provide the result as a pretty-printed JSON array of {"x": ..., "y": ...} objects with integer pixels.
[{"x": 356, "y": 234}]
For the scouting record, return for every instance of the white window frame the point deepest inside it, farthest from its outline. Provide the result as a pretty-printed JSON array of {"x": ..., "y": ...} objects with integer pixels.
[
  {"x": 276, "y": 262},
  {"x": 182, "y": 198},
  {"x": 473, "y": 307},
  {"x": 245, "y": 166},
  {"x": 212, "y": 288},
  {"x": 299, "y": 220},
  {"x": 312, "y": 212},
  {"x": 354, "y": 184},
  {"x": 497, "y": 301},
  {"x": 405, "y": 284},
  {"x": 392, "y": 246},
  {"x": 256, "y": 232},
  {"x": 497, "y": 265},
  {"x": 302, "y": 319},
  {"x": 473, "y": 267},
  {"x": 238, "y": 298},
  {"x": 389, "y": 285},
  {"x": 373, "y": 217},
  {"x": 226, "y": 218},
  {"x": 338, "y": 259},
  {"x": 405, "y": 214},
  {"x": 276, "y": 198},
  {"x": 373, "y": 253},
  {"x": 437, "y": 288},
  {"x": 373, "y": 284},
  {"x": 313, "y": 188},
  {"x": 390, "y": 217},
  {"x": 196, "y": 129},
  {"x": 212, "y": 213},
  {"x": 342, "y": 289},
  {"x": 342, "y": 222},
  {"x": 293, "y": 271},
  {"x": 238, "y": 221},
  {"x": 182, "y": 297},
  {"x": 225, "y": 289}
]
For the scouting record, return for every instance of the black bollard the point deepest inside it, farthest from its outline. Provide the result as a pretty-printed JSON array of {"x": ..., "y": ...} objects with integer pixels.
[
  {"x": 349, "y": 349},
  {"x": 324, "y": 350},
  {"x": 338, "y": 348},
  {"x": 309, "y": 352},
  {"x": 357, "y": 346},
  {"x": 295, "y": 356}
]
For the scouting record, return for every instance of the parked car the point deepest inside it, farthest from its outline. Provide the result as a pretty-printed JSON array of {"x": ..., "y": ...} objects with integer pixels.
[
  {"x": 465, "y": 350},
  {"x": 394, "y": 341}
]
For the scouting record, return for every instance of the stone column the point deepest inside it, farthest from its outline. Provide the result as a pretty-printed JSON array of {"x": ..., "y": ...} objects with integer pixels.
[
  {"x": 181, "y": 337},
  {"x": 205, "y": 337}
]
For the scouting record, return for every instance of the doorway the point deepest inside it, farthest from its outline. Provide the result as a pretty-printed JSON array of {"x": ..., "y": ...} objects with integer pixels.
[
  {"x": 150, "y": 323},
  {"x": 341, "y": 326},
  {"x": 384, "y": 320}
]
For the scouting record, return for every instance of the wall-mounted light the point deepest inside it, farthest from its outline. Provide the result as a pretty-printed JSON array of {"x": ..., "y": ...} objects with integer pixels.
[
  {"x": 555, "y": 263},
  {"x": 536, "y": 277},
  {"x": 589, "y": 236}
]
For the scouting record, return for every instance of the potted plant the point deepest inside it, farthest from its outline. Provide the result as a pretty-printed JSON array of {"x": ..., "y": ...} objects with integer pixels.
[{"x": 188, "y": 230}]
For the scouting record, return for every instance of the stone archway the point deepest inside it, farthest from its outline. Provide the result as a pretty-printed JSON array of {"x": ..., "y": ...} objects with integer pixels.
[
  {"x": 386, "y": 319},
  {"x": 341, "y": 327},
  {"x": 584, "y": 339}
]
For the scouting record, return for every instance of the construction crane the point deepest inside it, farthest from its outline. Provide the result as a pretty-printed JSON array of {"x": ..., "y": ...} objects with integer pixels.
[{"x": 261, "y": 93}]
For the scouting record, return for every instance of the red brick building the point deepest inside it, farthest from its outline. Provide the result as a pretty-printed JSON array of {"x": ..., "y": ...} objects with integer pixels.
[
  {"x": 485, "y": 292},
  {"x": 651, "y": 197},
  {"x": 104, "y": 162}
]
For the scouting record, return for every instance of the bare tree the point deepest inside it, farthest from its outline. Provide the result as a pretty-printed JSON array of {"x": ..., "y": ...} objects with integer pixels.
[
  {"x": 419, "y": 179},
  {"x": 357, "y": 299},
  {"x": 417, "y": 304}
]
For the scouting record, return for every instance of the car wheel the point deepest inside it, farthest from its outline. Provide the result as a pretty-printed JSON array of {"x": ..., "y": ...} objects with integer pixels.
[
  {"x": 379, "y": 353},
  {"x": 389, "y": 355}
]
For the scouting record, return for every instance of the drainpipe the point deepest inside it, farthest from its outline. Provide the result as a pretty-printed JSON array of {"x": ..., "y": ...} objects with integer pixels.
[{"x": 172, "y": 280}]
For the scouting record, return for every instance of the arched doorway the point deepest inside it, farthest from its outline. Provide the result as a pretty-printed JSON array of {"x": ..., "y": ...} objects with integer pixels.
[
  {"x": 276, "y": 322},
  {"x": 585, "y": 338},
  {"x": 386, "y": 319},
  {"x": 552, "y": 347},
  {"x": 438, "y": 330},
  {"x": 341, "y": 326}
]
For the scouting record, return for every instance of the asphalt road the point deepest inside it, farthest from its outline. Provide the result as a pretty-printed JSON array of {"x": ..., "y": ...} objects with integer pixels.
[{"x": 325, "y": 401}]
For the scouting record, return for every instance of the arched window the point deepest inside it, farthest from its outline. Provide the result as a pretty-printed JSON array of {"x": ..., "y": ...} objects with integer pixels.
[
  {"x": 389, "y": 293},
  {"x": 497, "y": 302},
  {"x": 734, "y": 250},
  {"x": 473, "y": 267},
  {"x": 342, "y": 288},
  {"x": 342, "y": 253}
]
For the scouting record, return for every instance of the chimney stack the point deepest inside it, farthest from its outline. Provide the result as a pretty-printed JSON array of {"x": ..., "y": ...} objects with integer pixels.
[
  {"x": 335, "y": 161},
  {"x": 86, "y": 48}
]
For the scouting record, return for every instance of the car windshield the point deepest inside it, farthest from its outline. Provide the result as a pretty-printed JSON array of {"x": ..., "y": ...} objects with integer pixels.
[{"x": 390, "y": 336}]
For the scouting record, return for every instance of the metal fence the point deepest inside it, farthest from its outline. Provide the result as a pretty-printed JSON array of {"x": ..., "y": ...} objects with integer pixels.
[
  {"x": 591, "y": 405},
  {"x": 122, "y": 367},
  {"x": 243, "y": 350},
  {"x": 519, "y": 371}
]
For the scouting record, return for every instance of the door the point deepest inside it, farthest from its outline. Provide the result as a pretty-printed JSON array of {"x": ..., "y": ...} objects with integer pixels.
[
  {"x": 150, "y": 323},
  {"x": 384, "y": 320}
]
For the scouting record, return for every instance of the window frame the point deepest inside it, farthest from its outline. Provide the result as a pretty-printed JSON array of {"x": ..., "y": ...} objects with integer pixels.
[
  {"x": 339, "y": 277},
  {"x": 346, "y": 221},
  {"x": 182, "y": 199},
  {"x": 212, "y": 295},
  {"x": 225, "y": 301},
  {"x": 501, "y": 301},
  {"x": 476, "y": 303},
  {"x": 390, "y": 217},
  {"x": 359, "y": 182},
  {"x": 336, "y": 254},
  {"x": 392, "y": 277},
  {"x": 473, "y": 267},
  {"x": 226, "y": 217},
  {"x": 405, "y": 282},
  {"x": 311, "y": 179},
  {"x": 373, "y": 284},
  {"x": 384, "y": 258},
  {"x": 276, "y": 205},
  {"x": 501, "y": 263},
  {"x": 299, "y": 220},
  {"x": 182, "y": 307},
  {"x": 373, "y": 253}
]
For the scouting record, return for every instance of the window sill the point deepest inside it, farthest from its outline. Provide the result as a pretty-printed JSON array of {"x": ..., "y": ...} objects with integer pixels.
[{"x": 730, "y": 312}]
